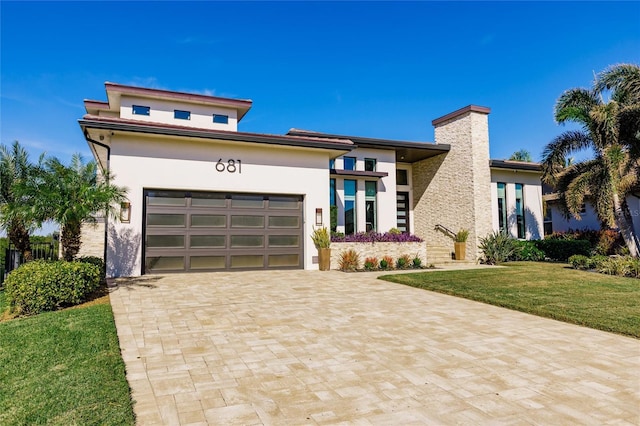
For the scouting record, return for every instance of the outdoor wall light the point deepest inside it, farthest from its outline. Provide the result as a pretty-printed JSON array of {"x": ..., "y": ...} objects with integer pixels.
[
  {"x": 125, "y": 212},
  {"x": 318, "y": 217}
]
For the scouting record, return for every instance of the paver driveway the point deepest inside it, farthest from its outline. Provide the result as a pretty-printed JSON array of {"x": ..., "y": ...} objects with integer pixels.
[{"x": 308, "y": 347}]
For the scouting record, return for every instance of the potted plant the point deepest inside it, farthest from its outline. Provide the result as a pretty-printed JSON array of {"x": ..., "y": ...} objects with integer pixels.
[
  {"x": 460, "y": 243},
  {"x": 322, "y": 241}
]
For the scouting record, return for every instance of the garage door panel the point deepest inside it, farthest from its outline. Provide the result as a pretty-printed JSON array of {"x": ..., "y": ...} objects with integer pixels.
[{"x": 212, "y": 231}]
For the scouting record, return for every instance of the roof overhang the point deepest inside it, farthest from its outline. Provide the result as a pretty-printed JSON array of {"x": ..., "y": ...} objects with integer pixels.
[
  {"x": 95, "y": 129},
  {"x": 515, "y": 165},
  {"x": 406, "y": 152}
]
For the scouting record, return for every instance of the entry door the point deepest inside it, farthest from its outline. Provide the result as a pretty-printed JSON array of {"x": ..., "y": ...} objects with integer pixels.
[
  {"x": 208, "y": 231},
  {"x": 402, "y": 207}
]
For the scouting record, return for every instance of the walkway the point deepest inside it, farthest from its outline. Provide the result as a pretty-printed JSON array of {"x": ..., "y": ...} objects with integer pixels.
[{"x": 308, "y": 347}]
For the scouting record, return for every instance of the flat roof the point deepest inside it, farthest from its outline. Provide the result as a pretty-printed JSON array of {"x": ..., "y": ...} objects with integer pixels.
[
  {"x": 516, "y": 165},
  {"x": 135, "y": 126},
  {"x": 406, "y": 151}
]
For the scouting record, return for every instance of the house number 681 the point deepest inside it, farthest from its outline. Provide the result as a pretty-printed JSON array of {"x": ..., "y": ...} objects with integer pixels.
[{"x": 230, "y": 166}]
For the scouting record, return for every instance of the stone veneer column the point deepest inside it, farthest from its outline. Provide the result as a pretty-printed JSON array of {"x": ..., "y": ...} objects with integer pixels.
[{"x": 454, "y": 189}]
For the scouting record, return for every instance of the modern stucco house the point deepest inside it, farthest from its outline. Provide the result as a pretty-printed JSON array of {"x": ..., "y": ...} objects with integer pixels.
[{"x": 203, "y": 195}]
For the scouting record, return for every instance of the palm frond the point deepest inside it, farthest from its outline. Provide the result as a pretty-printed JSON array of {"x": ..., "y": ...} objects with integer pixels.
[
  {"x": 623, "y": 80},
  {"x": 574, "y": 105}
]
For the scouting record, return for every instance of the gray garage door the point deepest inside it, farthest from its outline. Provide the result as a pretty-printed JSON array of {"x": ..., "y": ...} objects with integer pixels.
[{"x": 208, "y": 231}]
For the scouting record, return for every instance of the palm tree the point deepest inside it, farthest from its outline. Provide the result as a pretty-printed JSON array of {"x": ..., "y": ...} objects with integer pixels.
[
  {"x": 612, "y": 172},
  {"x": 71, "y": 195},
  {"x": 15, "y": 169},
  {"x": 522, "y": 155}
]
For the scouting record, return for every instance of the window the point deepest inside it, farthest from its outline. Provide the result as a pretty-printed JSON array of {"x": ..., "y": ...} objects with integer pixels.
[
  {"x": 370, "y": 192},
  {"x": 502, "y": 207},
  {"x": 402, "y": 211},
  {"x": 333, "y": 207},
  {"x": 520, "y": 210},
  {"x": 369, "y": 164},
  {"x": 349, "y": 163},
  {"x": 401, "y": 177},
  {"x": 332, "y": 163},
  {"x": 349, "y": 206},
  {"x": 220, "y": 119},
  {"x": 141, "y": 110},
  {"x": 332, "y": 192},
  {"x": 548, "y": 220},
  {"x": 181, "y": 115}
]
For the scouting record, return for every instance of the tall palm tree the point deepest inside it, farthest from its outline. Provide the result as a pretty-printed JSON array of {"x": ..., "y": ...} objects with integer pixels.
[
  {"x": 613, "y": 171},
  {"x": 15, "y": 169},
  {"x": 71, "y": 195}
]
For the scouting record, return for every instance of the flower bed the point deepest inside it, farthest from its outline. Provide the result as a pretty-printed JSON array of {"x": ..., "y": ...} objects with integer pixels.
[{"x": 379, "y": 250}]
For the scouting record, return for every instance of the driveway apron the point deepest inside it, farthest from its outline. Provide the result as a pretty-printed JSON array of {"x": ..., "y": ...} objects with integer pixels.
[{"x": 310, "y": 347}]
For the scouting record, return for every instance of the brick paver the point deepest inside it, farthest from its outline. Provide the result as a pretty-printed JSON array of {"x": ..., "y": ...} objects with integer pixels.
[{"x": 310, "y": 347}]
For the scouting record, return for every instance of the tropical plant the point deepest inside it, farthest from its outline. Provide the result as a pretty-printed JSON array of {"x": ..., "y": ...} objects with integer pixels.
[
  {"x": 370, "y": 263},
  {"x": 321, "y": 238},
  {"x": 349, "y": 261},
  {"x": 71, "y": 195},
  {"x": 386, "y": 262},
  {"x": 403, "y": 261},
  {"x": 497, "y": 247},
  {"x": 461, "y": 236},
  {"x": 15, "y": 169},
  {"x": 521, "y": 155},
  {"x": 611, "y": 129},
  {"x": 416, "y": 262}
]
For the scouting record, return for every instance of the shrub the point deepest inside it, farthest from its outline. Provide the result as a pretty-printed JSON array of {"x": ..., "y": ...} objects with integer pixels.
[
  {"x": 395, "y": 231},
  {"x": 403, "y": 261},
  {"x": 94, "y": 260},
  {"x": 416, "y": 262},
  {"x": 386, "y": 262},
  {"x": 461, "y": 236},
  {"x": 497, "y": 247},
  {"x": 371, "y": 263},
  {"x": 527, "y": 250},
  {"x": 579, "y": 261},
  {"x": 349, "y": 261},
  {"x": 562, "y": 250},
  {"x": 375, "y": 237},
  {"x": 40, "y": 286}
]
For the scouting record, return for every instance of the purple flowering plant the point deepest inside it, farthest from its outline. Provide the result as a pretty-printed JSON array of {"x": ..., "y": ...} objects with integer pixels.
[{"x": 375, "y": 237}]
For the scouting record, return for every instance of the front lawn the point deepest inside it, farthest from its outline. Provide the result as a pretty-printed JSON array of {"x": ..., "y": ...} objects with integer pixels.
[
  {"x": 63, "y": 368},
  {"x": 549, "y": 290}
]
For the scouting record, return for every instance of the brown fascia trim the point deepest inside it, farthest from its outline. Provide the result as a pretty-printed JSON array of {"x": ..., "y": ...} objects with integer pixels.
[
  {"x": 515, "y": 165},
  {"x": 88, "y": 103},
  {"x": 134, "y": 90},
  {"x": 461, "y": 111},
  {"x": 358, "y": 173},
  {"x": 168, "y": 130},
  {"x": 363, "y": 142}
]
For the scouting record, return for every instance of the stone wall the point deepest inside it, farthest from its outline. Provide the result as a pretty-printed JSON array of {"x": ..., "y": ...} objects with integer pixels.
[
  {"x": 92, "y": 238},
  {"x": 454, "y": 189},
  {"x": 379, "y": 250}
]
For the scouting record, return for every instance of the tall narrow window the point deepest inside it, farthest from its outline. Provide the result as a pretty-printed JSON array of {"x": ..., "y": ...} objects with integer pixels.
[
  {"x": 548, "y": 220},
  {"x": 369, "y": 164},
  {"x": 402, "y": 177},
  {"x": 502, "y": 207},
  {"x": 520, "y": 210},
  {"x": 402, "y": 206},
  {"x": 333, "y": 207},
  {"x": 332, "y": 163},
  {"x": 349, "y": 163},
  {"x": 370, "y": 195},
  {"x": 349, "y": 206}
]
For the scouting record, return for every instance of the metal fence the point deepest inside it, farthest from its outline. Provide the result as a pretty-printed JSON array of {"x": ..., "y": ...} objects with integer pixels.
[{"x": 12, "y": 258}]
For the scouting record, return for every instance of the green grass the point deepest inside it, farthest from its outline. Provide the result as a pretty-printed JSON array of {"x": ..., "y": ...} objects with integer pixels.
[
  {"x": 63, "y": 368},
  {"x": 549, "y": 290}
]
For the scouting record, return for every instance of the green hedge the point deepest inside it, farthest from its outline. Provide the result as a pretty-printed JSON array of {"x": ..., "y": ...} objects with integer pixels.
[
  {"x": 562, "y": 250},
  {"x": 40, "y": 286}
]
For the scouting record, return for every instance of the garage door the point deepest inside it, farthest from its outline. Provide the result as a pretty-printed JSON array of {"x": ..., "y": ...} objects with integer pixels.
[{"x": 209, "y": 231}]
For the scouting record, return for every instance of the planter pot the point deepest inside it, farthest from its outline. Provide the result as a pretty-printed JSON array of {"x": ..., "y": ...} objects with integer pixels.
[
  {"x": 324, "y": 258},
  {"x": 460, "y": 249}
]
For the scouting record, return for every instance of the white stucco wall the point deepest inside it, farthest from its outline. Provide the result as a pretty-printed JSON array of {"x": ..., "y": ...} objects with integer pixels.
[
  {"x": 386, "y": 196},
  {"x": 140, "y": 162},
  {"x": 163, "y": 112},
  {"x": 532, "y": 194}
]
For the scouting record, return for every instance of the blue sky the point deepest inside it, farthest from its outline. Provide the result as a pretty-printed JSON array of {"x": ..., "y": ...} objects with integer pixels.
[{"x": 369, "y": 69}]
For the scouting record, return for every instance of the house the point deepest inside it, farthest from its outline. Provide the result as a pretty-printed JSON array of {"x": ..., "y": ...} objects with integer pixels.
[{"x": 203, "y": 195}]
